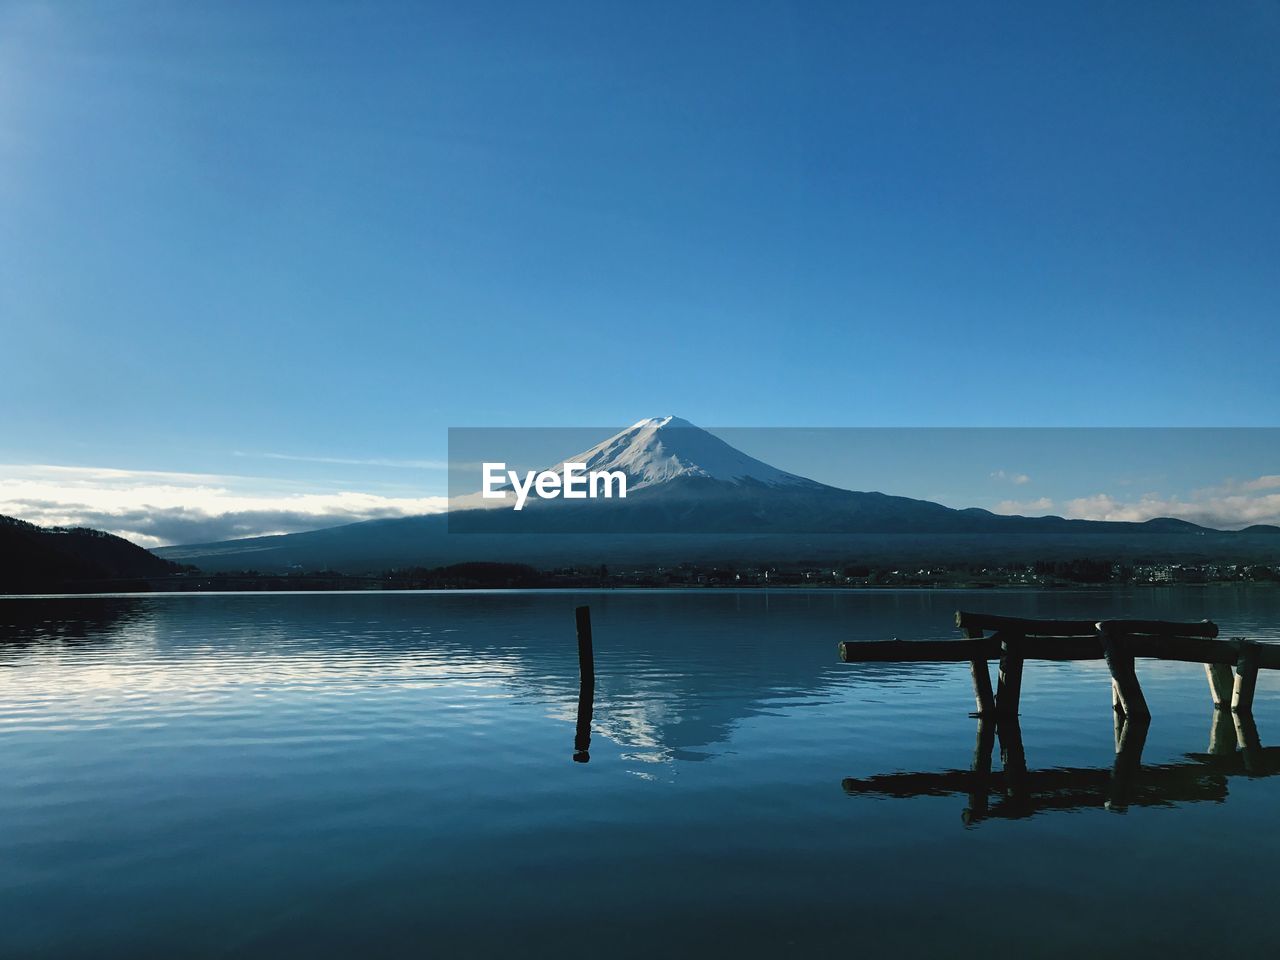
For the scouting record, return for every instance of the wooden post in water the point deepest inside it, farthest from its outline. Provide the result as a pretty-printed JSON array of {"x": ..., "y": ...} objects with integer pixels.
[
  {"x": 1124, "y": 678},
  {"x": 981, "y": 677},
  {"x": 586, "y": 655},
  {"x": 1246, "y": 677},
  {"x": 1220, "y": 684}
]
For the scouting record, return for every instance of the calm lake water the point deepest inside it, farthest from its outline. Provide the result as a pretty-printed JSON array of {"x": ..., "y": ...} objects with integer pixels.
[{"x": 393, "y": 774}]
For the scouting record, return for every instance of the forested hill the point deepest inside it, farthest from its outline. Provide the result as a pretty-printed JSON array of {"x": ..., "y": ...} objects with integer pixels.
[{"x": 39, "y": 559}]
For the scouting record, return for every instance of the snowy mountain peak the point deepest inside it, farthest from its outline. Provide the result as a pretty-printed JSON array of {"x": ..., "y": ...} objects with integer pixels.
[
  {"x": 668, "y": 421},
  {"x": 661, "y": 449}
]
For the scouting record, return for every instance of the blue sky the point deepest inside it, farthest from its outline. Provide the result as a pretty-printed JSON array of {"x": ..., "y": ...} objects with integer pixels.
[{"x": 235, "y": 233}]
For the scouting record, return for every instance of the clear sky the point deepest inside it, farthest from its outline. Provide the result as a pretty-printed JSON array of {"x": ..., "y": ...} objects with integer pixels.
[{"x": 277, "y": 249}]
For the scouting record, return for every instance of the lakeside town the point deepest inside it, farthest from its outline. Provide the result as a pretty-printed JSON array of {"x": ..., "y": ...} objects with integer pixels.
[{"x": 1047, "y": 574}]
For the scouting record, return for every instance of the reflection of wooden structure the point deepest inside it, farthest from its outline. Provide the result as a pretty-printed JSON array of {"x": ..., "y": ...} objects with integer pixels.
[
  {"x": 1013, "y": 641},
  {"x": 1019, "y": 792},
  {"x": 586, "y": 686}
]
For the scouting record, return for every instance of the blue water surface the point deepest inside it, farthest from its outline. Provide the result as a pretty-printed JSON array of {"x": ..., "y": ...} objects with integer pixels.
[{"x": 373, "y": 774}]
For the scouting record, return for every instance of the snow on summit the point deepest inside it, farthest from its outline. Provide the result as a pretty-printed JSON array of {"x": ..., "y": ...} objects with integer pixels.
[{"x": 661, "y": 449}]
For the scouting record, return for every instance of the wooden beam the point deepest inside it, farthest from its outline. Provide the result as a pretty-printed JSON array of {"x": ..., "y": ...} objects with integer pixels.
[
  {"x": 1073, "y": 628},
  {"x": 1028, "y": 628},
  {"x": 1186, "y": 649},
  {"x": 1061, "y": 648},
  {"x": 1268, "y": 653},
  {"x": 1201, "y": 650},
  {"x": 1163, "y": 628}
]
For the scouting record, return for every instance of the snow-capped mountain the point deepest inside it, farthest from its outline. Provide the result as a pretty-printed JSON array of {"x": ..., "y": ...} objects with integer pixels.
[
  {"x": 662, "y": 449},
  {"x": 692, "y": 496}
]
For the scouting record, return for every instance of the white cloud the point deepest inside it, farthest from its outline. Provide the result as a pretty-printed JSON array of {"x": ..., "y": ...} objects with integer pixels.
[
  {"x": 1025, "y": 507},
  {"x": 1230, "y": 506},
  {"x": 1015, "y": 478},
  {"x": 1270, "y": 482},
  {"x": 1222, "y": 512},
  {"x": 345, "y": 461},
  {"x": 154, "y": 508}
]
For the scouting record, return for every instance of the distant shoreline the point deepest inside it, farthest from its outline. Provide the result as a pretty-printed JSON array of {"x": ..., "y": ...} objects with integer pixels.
[
  {"x": 634, "y": 588},
  {"x": 489, "y": 575}
]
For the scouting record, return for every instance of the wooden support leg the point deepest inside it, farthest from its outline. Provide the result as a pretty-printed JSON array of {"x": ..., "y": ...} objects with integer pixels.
[
  {"x": 1124, "y": 677},
  {"x": 1246, "y": 678},
  {"x": 1220, "y": 684},
  {"x": 1009, "y": 683},
  {"x": 982, "y": 694}
]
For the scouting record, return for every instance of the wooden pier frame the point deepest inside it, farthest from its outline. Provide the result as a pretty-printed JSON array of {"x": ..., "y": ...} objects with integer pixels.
[{"x": 1120, "y": 643}]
